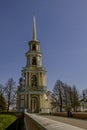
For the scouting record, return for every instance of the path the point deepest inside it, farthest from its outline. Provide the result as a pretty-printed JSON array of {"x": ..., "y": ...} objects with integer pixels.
[{"x": 75, "y": 122}]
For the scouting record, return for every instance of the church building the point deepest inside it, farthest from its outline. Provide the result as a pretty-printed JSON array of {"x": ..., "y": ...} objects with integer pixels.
[{"x": 32, "y": 93}]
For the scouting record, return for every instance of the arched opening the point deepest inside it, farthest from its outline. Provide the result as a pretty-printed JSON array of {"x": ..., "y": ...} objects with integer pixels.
[
  {"x": 33, "y": 47},
  {"x": 34, "y": 105},
  {"x": 34, "y": 80},
  {"x": 34, "y": 61}
]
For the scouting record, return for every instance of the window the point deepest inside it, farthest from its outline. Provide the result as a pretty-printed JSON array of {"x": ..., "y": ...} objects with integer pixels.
[
  {"x": 34, "y": 61},
  {"x": 34, "y": 80},
  {"x": 22, "y": 97},
  {"x": 33, "y": 47}
]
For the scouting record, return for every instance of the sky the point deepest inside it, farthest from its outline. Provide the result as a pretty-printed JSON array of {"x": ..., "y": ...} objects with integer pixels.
[{"x": 62, "y": 32}]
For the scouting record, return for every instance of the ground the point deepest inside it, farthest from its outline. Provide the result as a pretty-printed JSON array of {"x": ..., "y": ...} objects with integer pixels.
[
  {"x": 6, "y": 120},
  {"x": 75, "y": 122}
]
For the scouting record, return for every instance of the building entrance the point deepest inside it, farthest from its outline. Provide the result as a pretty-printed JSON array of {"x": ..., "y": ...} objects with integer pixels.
[{"x": 34, "y": 105}]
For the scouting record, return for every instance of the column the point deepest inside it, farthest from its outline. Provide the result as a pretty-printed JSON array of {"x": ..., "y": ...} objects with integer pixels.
[
  {"x": 30, "y": 60},
  {"x": 42, "y": 79},
  {"x": 39, "y": 79},
  {"x": 41, "y": 60},
  {"x": 29, "y": 78},
  {"x": 26, "y": 78},
  {"x": 45, "y": 79},
  {"x": 29, "y": 102}
]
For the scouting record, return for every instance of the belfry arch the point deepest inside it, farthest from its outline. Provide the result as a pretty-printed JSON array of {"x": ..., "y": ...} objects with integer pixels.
[{"x": 34, "y": 61}]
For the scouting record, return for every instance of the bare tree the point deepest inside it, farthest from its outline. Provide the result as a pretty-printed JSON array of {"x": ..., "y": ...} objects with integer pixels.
[
  {"x": 58, "y": 95},
  {"x": 75, "y": 98},
  {"x": 84, "y": 97},
  {"x": 1, "y": 89},
  {"x": 65, "y": 96},
  {"x": 10, "y": 93}
]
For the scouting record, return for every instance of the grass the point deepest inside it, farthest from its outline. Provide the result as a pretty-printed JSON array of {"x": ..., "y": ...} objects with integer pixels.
[{"x": 6, "y": 120}]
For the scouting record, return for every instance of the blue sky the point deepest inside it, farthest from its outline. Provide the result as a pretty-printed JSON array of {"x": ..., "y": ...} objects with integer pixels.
[{"x": 61, "y": 30}]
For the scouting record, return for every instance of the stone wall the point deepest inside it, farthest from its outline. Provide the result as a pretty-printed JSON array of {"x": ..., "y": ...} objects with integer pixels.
[
  {"x": 36, "y": 122},
  {"x": 31, "y": 124},
  {"x": 78, "y": 115}
]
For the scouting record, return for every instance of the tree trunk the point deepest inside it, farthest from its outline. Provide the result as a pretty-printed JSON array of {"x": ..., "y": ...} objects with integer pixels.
[{"x": 8, "y": 107}]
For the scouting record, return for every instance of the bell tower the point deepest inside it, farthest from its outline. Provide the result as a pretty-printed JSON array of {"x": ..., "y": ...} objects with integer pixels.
[{"x": 34, "y": 95}]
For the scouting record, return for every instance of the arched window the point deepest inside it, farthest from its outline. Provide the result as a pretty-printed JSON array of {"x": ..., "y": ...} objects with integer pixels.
[
  {"x": 34, "y": 81},
  {"x": 34, "y": 61},
  {"x": 33, "y": 47}
]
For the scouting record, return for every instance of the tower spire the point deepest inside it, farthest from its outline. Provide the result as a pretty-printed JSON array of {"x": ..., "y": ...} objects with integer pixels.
[{"x": 34, "y": 29}]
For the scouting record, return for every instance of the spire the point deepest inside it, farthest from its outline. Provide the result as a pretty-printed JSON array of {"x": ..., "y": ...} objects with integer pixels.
[{"x": 34, "y": 29}]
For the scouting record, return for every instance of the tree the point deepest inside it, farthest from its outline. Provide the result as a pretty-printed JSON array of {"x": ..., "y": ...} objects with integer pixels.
[
  {"x": 75, "y": 98},
  {"x": 65, "y": 97},
  {"x": 84, "y": 95},
  {"x": 10, "y": 93},
  {"x": 84, "y": 98},
  {"x": 2, "y": 103},
  {"x": 58, "y": 94},
  {"x": 2, "y": 99}
]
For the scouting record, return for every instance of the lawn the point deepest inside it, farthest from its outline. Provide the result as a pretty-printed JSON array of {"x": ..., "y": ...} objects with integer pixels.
[{"x": 6, "y": 120}]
